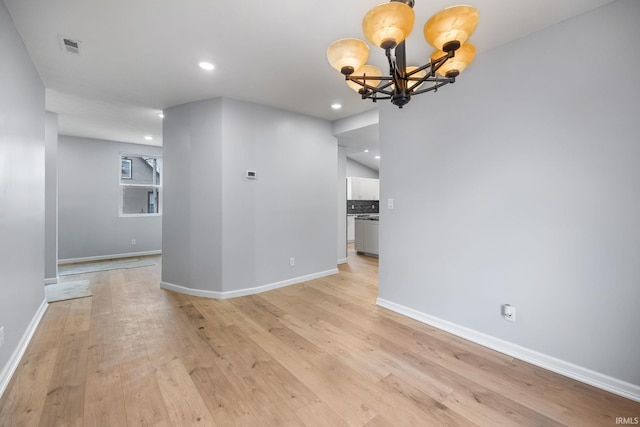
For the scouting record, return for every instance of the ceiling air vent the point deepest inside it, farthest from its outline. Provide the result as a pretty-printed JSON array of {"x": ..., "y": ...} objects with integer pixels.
[{"x": 70, "y": 45}]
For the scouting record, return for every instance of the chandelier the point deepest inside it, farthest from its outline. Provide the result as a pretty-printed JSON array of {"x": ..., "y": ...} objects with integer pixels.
[{"x": 387, "y": 26}]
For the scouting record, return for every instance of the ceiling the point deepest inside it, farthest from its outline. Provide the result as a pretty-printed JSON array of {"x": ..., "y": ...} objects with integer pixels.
[{"x": 140, "y": 57}]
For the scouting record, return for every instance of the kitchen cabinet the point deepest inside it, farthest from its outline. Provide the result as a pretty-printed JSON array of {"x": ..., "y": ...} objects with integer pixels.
[
  {"x": 366, "y": 235},
  {"x": 351, "y": 228},
  {"x": 363, "y": 188}
]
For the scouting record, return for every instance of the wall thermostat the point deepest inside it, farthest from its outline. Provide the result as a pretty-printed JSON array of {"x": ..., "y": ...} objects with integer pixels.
[{"x": 251, "y": 175}]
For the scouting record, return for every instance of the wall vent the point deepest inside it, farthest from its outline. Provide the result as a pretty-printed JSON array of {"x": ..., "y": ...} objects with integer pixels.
[{"x": 70, "y": 45}]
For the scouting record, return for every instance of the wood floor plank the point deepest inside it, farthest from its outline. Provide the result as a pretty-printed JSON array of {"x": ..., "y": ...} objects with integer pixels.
[
  {"x": 334, "y": 372},
  {"x": 199, "y": 345},
  {"x": 144, "y": 403},
  {"x": 220, "y": 397},
  {"x": 319, "y": 414},
  {"x": 320, "y": 353},
  {"x": 104, "y": 399},
  {"x": 27, "y": 393},
  {"x": 79, "y": 319},
  {"x": 64, "y": 404},
  {"x": 142, "y": 397},
  {"x": 324, "y": 381},
  {"x": 183, "y": 401},
  {"x": 51, "y": 327},
  {"x": 435, "y": 411}
]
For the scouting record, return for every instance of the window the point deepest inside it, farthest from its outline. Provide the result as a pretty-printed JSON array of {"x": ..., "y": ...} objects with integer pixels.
[{"x": 140, "y": 185}]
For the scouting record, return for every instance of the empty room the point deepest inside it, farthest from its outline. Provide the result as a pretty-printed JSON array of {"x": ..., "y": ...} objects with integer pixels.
[{"x": 403, "y": 213}]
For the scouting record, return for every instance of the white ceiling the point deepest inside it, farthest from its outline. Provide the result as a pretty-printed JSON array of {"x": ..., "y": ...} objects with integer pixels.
[{"x": 140, "y": 57}]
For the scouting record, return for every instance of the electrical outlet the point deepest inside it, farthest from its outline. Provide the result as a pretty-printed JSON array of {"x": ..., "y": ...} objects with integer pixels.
[
  {"x": 509, "y": 312},
  {"x": 292, "y": 262},
  {"x": 133, "y": 241},
  {"x": 389, "y": 203},
  {"x": 1, "y": 336}
]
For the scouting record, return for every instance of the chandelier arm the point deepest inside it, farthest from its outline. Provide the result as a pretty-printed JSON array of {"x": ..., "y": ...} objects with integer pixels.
[
  {"x": 361, "y": 80},
  {"x": 435, "y": 65},
  {"x": 374, "y": 96},
  {"x": 374, "y": 90},
  {"x": 357, "y": 78},
  {"x": 386, "y": 92},
  {"x": 386, "y": 85},
  {"x": 417, "y": 70},
  {"x": 435, "y": 87}
]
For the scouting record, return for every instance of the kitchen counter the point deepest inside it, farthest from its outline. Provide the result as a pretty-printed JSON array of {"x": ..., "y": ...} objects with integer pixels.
[{"x": 368, "y": 218}]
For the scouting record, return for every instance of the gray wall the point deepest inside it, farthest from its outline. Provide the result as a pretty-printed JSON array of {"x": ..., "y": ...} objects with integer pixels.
[
  {"x": 192, "y": 209},
  {"x": 342, "y": 204},
  {"x": 51, "y": 199},
  {"x": 528, "y": 194},
  {"x": 359, "y": 170},
  {"x": 226, "y": 233},
  {"x": 89, "y": 224},
  {"x": 22, "y": 148}
]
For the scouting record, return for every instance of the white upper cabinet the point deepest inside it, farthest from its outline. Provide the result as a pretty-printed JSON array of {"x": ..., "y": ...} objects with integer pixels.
[{"x": 363, "y": 188}]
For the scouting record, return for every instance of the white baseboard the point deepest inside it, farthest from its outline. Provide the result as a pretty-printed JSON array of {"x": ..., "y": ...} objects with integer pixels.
[
  {"x": 51, "y": 281},
  {"x": 11, "y": 366},
  {"x": 104, "y": 257},
  {"x": 246, "y": 291},
  {"x": 343, "y": 261},
  {"x": 596, "y": 379}
]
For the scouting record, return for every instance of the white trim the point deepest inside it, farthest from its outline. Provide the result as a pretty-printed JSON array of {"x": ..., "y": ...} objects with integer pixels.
[
  {"x": 246, "y": 291},
  {"x": 189, "y": 291},
  {"x": 11, "y": 366},
  {"x": 51, "y": 281},
  {"x": 343, "y": 261},
  {"x": 596, "y": 379},
  {"x": 103, "y": 257},
  {"x": 139, "y": 215}
]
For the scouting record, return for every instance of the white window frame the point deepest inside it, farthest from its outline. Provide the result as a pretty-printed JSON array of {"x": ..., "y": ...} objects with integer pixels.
[{"x": 122, "y": 185}]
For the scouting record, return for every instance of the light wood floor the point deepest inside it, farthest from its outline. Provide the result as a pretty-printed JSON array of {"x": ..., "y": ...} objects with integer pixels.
[{"x": 315, "y": 354}]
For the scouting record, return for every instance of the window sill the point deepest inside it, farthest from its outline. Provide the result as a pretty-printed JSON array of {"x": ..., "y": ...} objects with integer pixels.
[{"x": 142, "y": 215}]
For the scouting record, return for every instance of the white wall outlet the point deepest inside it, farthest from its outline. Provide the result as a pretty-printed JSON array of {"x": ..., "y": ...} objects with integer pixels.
[
  {"x": 389, "y": 203},
  {"x": 1, "y": 336},
  {"x": 509, "y": 312},
  {"x": 292, "y": 262},
  {"x": 133, "y": 241}
]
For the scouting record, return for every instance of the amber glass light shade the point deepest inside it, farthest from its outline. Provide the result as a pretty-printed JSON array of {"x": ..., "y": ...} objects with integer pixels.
[
  {"x": 388, "y": 24},
  {"x": 455, "y": 23},
  {"x": 367, "y": 71},
  {"x": 347, "y": 54},
  {"x": 455, "y": 65}
]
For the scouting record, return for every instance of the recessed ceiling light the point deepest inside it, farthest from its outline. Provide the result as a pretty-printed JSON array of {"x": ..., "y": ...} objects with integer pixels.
[
  {"x": 148, "y": 137},
  {"x": 336, "y": 106},
  {"x": 366, "y": 151},
  {"x": 378, "y": 157},
  {"x": 208, "y": 66},
  {"x": 161, "y": 115}
]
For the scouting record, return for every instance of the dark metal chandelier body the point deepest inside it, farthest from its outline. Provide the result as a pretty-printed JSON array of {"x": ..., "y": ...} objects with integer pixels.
[
  {"x": 396, "y": 86},
  {"x": 447, "y": 31}
]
